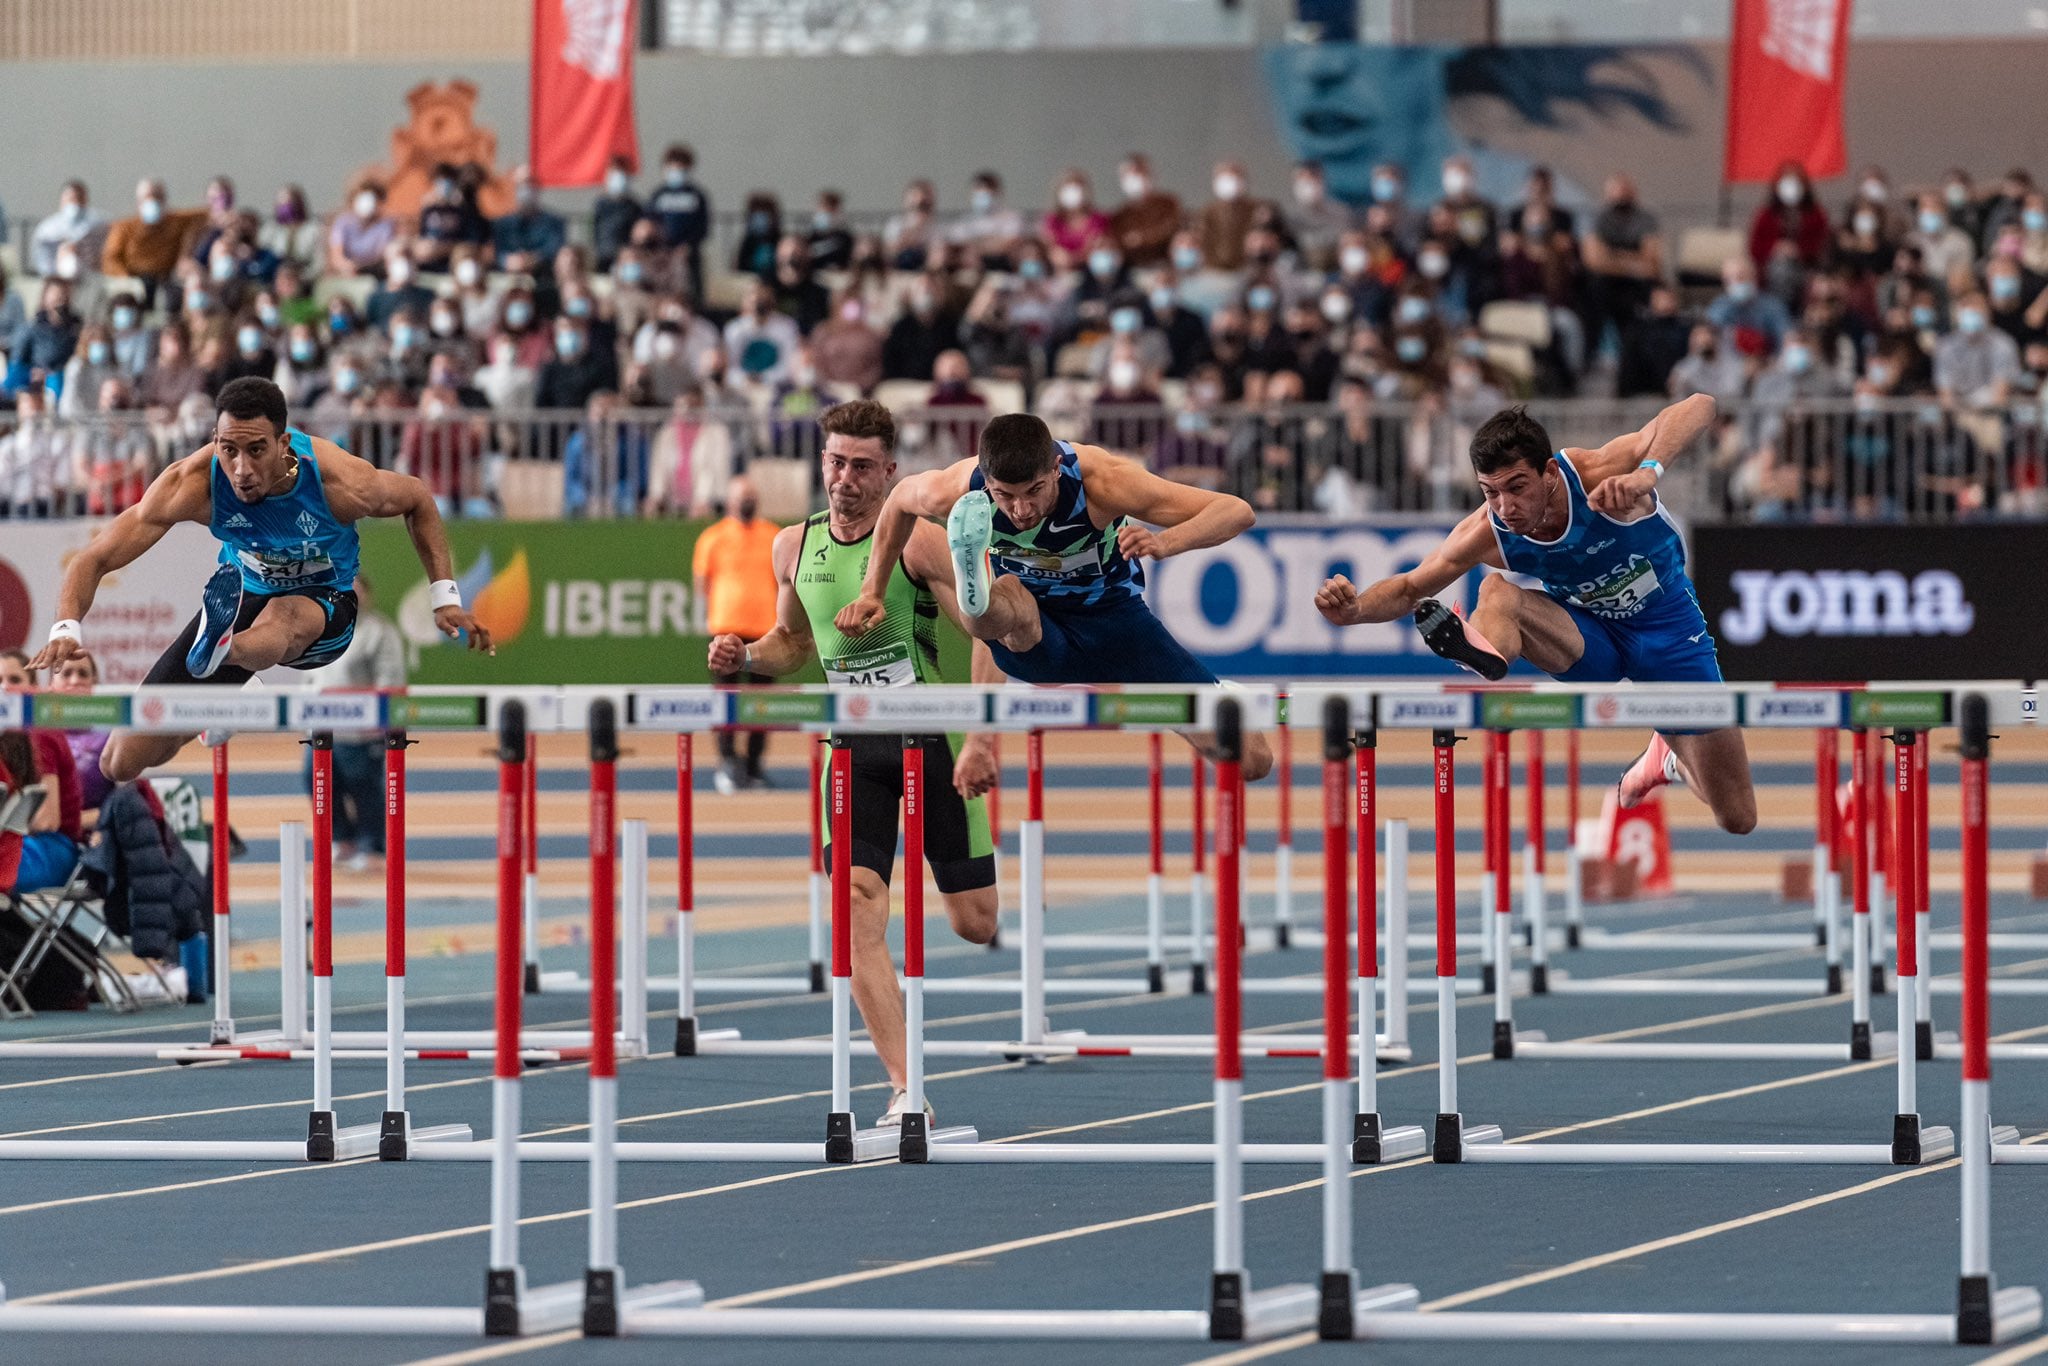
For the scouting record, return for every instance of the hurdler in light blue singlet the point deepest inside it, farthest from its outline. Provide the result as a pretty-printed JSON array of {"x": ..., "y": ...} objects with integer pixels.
[{"x": 289, "y": 540}]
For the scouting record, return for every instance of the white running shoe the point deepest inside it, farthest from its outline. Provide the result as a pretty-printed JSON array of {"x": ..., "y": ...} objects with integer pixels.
[
  {"x": 969, "y": 528},
  {"x": 899, "y": 1102}
]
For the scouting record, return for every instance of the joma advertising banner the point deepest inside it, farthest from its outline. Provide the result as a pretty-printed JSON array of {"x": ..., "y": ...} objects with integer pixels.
[{"x": 1849, "y": 603}]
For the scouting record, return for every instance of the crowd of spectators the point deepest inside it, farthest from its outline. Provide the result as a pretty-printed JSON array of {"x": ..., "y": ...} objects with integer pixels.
[{"x": 1262, "y": 345}]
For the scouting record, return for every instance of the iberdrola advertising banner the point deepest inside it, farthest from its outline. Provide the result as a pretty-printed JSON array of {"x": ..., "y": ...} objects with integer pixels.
[{"x": 566, "y": 602}]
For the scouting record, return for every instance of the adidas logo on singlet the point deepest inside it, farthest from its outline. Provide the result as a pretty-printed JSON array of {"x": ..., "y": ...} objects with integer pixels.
[{"x": 237, "y": 519}]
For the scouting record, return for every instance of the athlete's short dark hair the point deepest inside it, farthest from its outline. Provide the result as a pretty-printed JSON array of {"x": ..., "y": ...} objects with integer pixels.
[
  {"x": 249, "y": 398},
  {"x": 1016, "y": 448},
  {"x": 861, "y": 419},
  {"x": 1510, "y": 437}
]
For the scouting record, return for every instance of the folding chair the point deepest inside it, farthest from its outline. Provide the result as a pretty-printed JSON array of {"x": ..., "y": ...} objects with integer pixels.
[{"x": 17, "y": 814}]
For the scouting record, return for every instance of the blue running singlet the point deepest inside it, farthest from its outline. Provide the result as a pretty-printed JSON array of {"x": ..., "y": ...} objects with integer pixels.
[
  {"x": 289, "y": 541},
  {"x": 1064, "y": 560}
]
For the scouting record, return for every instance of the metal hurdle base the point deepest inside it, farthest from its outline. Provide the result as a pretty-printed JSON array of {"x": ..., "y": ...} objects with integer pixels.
[
  {"x": 1536, "y": 1044},
  {"x": 1563, "y": 983},
  {"x": 1930, "y": 1143},
  {"x": 323, "y": 1143},
  {"x": 869, "y": 1145},
  {"x": 1264, "y": 1314}
]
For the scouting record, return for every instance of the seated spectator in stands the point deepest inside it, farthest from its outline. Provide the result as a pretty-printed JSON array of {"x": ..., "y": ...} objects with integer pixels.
[
  {"x": 1948, "y": 253},
  {"x": 173, "y": 375},
  {"x": 506, "y": 382},
  {"x": 1797, "y": 375},
  {"x": 2034, "y": 233},
  {"x": 1227, "y": 349},
  {"x": 761, "y": 341},
  {"x": 576, "y": 371},
  {"x": 2003, "y": 206},
  {"x": 442, "y": 447},
  {"x": 2015, "y": 311},
  {"x": 1471, "y": 394},
  {"x": 1314, "y": 220},
  {"x": 148, "y": 246},
  {"x": 830, "y": 240},
  {"x": 404, "y": 356},
  {"x": 526, "y": 240},
  {"x": 1187, "y": 337},
  {"x": 793, "y": 408},
  {"x": 990, "y": 228},
  {"x": 907, "y": 238},
  {"x": 1126, "y": 415},
  {"x": 614, "y": 212},
  {"x": 578, "y": 301},
  {"x": 220, "y": 218},
  {"x": 1652, "y": 345},
  {"x": 1368, "y": 272},
  {"x": 472, "y": 292},
  {"x": 1037, "y": 300},
  {"x": 693, "y": 460},
  {"x": 845, "y": 348},
  {"x": 519, "y": 322},
  {"x": 1976, "y": 365},
  {"x": 1267, "y": 345},
  {"x": 1788, "y": 233},
  {"x": 1838, "y": 335},
  {"x": 605, "y": 465},
  {"x": 723, "y": 385},
  {"x": 113, "y": 459},
  {"x": 1130, "y": 329},
  {"x": 953, "y": 388},
  {"x": 1144, "y": 223},
  {"x": 1267, "y": 461},
  {"x": 1315, "y": 360},
  {"x": 1364, "y": 447},
  {"x": 683, "y": 208},
  {"x": 91, "y": 363},
  {"x": 292, "y": 234},
  {"x": 358, "y": 238},
  {"x": 1623, "y": 250},
  {"x": 926, "y": 328},
  {"x": 1390, "y": 214},
  {"x": 1194, "y": 448},
  {"x": 1474, "y": 219},
  {"x": 1073, "y": 227},
  {"x": 133, "y": 343},
  {"x": 674, "y": 334},
  {"x": 301, "y": 366},
  {"x": 1417, "y": 365},
  {"x": 399, "y": 291},
  {"x": 75, "y": 224},
  {"x": 1742, "y": 307},
  {"x": 1221, "y": 226},
  {"x": 759, "y": 237},
  {"x": 34, "y": 459},
  {"x": 448, "y": 218},
  {"x": 252, "y": 355},
  {"x": 1539, "y": 215},
  {"x": 1442, "y": 279},
  {"x": 446, "y": 335},
  {"x": 44, "y": 347},
  {"x": 797, "y": 291}
]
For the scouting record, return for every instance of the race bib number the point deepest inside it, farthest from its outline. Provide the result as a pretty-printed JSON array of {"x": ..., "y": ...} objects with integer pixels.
[
  {"x": 881, "y": 669},
  {"x": 287, "y": 569},
  {"x": 1622, "y": 595}
]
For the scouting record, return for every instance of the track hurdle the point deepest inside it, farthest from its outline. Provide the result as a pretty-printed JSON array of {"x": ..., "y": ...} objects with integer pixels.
[{"x": 1983, "y": 1313}]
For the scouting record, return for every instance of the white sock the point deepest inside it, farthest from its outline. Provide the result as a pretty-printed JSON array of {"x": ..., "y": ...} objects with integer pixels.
[{"x": 1671, "y": 774}]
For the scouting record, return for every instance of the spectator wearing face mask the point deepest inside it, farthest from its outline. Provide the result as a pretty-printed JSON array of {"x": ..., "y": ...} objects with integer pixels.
[
  {"x": 930, "y": 325},
  {"x": 442, "y": 447},
  {"x": 1225, "y": 219},
  {"x": 526, "y": 240},
  {"x": 220, "y": 218},
  {"x": 1652, "y": 346},
  {"x": 1126, "y": 414},
  {"x": 252, "y": 354},
  {"x": 762, "y": 231},
  {"x": 1390, "y": 214},
  {"x": 576, "y": 370},
  {"x": 605, "y": 464},
  {"x": 448, "y": 219},
  {"x": 1133, "y": 330},
  {"x": 990, "y": 228},
  {"x": 1437, "y": 267},
  {"x": 446, "y": 335},
  {"x": 1309, "y": 341},
  {"x": 797, "y": 291},
  {"x": 1145, "y": 222},
  {"x": 614, "y": 212},
  {"x": 75, "y": 224},
  {"x": 34, "y": 460},
  {"x": 760, "y": 340},
  {"x": 675, "y": 335},
  {"x": 1474, "y": 220},
  {"x": 1788, "y": 234},
  {"x": 1742, "y": 307},
  {"x": 908, "y": 236},
  {"x": 360, "y": 236},
  {"x": 2014, "y": 310},
  {"x": 134, "y": 343},
  {"x": 1187, "y": 338},
  {"x": 1976, "y": 365},
  {"x": 301, "y": 365},
  {"x": 505, "y": 382},
  {"x": 1623, "y": 250},
  {"x": 113, "y": 459},
  {"x": 995, "y": 345},
  {"x": 91, "y": 363},
  {"x": 1268, "y": 457},
  {"x": 683, "y": 208},
  {"x": 44, "y": 347},
  {"x": 827, "y": 236},
  {"x": 1314, "y": 220},
  {"x": 398, "y": 290},
  {"x": 173, "y": 375},
  {"x": 291, "y": 234},
  {"x": 147, "y": 246},
  {"x": 1883, "y": 223},
  {"x": 2003, "y": 206},
  {"x": 1073, "y": 227},
  {"x": 1194, "y": 448},
  {"x": 1948, "y": 253}
]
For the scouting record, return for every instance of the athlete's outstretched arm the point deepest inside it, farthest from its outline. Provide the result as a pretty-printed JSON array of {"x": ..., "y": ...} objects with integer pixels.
[
  {"x": 356, "y": 490},
  {"x": 180, "y": 494},
  {"x": 784, "y": 649},
  {"x": 1470, "y": 544},
  {"x": 1189, "y": 518},
  {"x": 931, "y": 494},
  {"x": 1614, "y": 483}
]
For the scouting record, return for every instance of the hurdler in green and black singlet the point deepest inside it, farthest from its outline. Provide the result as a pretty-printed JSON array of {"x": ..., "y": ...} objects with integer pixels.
[{"x": 901, "y": 651}]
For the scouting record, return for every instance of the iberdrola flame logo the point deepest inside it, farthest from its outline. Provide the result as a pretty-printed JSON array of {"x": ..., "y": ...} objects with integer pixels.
[{"x": 500, "y": 601}]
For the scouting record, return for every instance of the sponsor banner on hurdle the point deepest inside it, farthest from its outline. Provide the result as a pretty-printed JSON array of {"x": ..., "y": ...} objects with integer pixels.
[
  {"x": 1660, "y": 710},
  {"x": 413, "y": 711},
  {"x": 1044, "y": 709},
  {"x": 808, "y": 710},
  {"x": 64, "y": 711},
  {"x": 1881, "y": 708},
  {"x": 1528, "y": 711},
  {"x": 1799, "y": 708},
  {"x": 1425, "y": 710},
  {"x": 678, "y": 709},
  {"x": 334, "y": 711},
  {"x": 1137, "y": 709},
  {"x": 177, "y": 711},
  {"x": 932, "y": 707}
]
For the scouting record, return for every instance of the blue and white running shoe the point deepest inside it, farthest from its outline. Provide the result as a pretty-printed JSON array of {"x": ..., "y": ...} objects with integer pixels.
[
  {"x": 969, "y": 529},
  {"x": 218, "y": 607}
]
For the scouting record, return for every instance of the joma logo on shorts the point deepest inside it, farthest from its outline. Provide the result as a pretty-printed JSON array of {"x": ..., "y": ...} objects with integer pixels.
[{"x": 1846, "y": 603}]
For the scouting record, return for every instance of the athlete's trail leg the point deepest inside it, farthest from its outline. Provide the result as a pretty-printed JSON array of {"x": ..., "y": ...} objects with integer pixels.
[
  {"x": 127, "y": 757},
  {"x": 1522, "y": 624},
  {"x": 875, "y": 989},
  {"x": 285, "y": 629},
  {"x": 973, "y": 913},
  {"x": 1011, "y": 620},
  {"x": 1716, "y": 766}
]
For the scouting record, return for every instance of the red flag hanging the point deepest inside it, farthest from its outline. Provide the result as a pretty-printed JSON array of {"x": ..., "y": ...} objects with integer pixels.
[
  {"x": 582, "y": 90},
  {"x": 1787, "y": 66}
]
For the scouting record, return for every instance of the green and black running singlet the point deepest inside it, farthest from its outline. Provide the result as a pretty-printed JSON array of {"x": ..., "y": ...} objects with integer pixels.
[{"x": 902, "y": 650}]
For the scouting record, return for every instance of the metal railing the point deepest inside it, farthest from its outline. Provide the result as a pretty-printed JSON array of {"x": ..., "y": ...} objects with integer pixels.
[{"x": 1814, "y": 462}]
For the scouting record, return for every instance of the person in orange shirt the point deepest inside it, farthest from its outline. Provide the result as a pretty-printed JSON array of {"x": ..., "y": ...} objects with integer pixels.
[{"x": 734, "y": 572}]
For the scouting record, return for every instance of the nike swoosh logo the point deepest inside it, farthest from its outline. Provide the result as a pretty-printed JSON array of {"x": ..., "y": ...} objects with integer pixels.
[{"x": 1057, "y": 527}]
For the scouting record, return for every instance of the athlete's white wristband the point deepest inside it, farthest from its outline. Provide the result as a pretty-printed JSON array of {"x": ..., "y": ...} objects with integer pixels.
[
  {"x": 68, "y": 629},
  {"x": 1655, "y": 467},
  {"x": 746, "y": 659},
  {"x": 443, "y": 593}
]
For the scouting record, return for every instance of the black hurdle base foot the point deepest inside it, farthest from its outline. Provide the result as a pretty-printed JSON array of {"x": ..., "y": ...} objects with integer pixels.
[
  {"x": 601, "y": 1303},
  {"x": 1834, "y": 979},
  {"x": 1923, "y": 1040},
  {"x": 1905, "y": 1140},
  {"x": 1365, "y": 1139},
  {"x": 391, "y": 1137},
  {"x": 1539, "y": 979},
  {"x": 686, "y": 1036},
  {"x": 1198, "y": 978},
  {"x": 1503, "y": 1040},
  {"x": 915, "y": 1144},
  {"x": 320, "y": 1136},
  {"x": 1334, "y": 1321},
  {"x": 533, "y": 979},
  {"x": 1226, "y": 1306},
  {"x": 501, "y": 1303},
  {"x": 1877, "y": 986},
  {"x": 1485, "y": 978},
  {"x": 817, "y": 979},
  {"x": 1450, "y": 1139},
  {"x": 839, "y": 1137},
  {"x": 1974, "y": 1326},
  {"x": 1155, "y": 978},
  {"x": 1859, "y": 1041},
  {"x": 1283, "y": 935},
  {"x": 1820, "y": 936},
  {"x": 1528, "y": 936}
]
